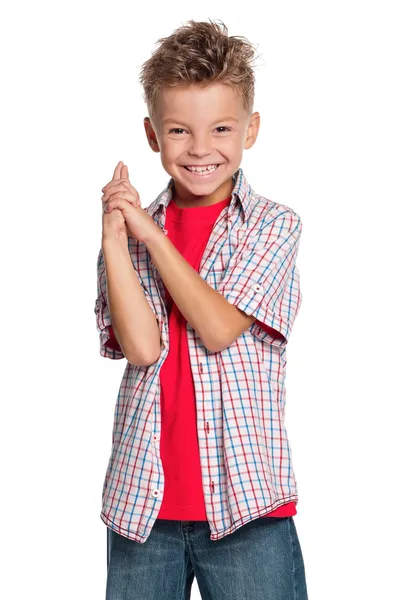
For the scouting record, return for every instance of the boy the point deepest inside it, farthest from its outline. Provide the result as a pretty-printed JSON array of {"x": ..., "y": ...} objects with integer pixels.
[{"x": 199, "y": 291}]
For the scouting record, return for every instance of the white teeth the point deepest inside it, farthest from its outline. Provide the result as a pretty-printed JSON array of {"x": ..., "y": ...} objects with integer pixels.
[{"x": 202, "y": 169}]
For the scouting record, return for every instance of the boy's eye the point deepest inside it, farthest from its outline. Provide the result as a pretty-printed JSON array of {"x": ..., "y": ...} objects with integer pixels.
[{"x": 181, "y": 129}]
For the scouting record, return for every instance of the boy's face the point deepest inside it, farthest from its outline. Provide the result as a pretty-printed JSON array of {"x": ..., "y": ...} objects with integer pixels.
[{"x": 201, "y": 126}]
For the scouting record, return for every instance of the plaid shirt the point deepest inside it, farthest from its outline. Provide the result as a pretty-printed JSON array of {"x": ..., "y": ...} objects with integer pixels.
[{"x": 240, "y": 391}]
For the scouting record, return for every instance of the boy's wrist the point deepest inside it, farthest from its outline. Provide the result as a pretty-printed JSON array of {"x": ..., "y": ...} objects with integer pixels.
[
  {"x": 110, "y": 241},
  {"x": 153, "y": 236}
]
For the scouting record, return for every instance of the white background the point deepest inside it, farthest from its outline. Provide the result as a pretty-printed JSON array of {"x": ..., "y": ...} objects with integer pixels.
[{"x": 72, "y": 108}]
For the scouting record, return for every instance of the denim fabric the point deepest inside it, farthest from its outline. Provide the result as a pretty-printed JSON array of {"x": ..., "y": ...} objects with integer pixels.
[{"x": 260, "y": 560}]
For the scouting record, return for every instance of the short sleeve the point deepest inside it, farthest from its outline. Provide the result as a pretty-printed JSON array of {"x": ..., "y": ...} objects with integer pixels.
[
  {"x": 109, "y": 346},
  {"x": 262, "y": 278}
]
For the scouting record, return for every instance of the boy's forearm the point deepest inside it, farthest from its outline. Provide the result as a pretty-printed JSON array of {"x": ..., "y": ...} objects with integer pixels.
[
  {"x": 205, "y": 309},
  {"x": 133, "y": 322}
]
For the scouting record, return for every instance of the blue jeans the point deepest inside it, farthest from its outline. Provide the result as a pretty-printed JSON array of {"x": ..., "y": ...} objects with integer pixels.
[{"x": 260, "y": 560}]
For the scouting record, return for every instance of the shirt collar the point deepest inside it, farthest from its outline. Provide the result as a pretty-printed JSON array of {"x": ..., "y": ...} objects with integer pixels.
[{"x": 242, "y": 192}]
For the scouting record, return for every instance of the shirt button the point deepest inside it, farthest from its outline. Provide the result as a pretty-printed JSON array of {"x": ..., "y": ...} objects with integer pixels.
[
  {"x": 258, "y": 287},
  {"x": 155, "y": 493}
]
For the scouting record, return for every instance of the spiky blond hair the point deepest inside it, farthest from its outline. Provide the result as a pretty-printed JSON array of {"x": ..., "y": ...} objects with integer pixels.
[{"x": 200, "y": 53}]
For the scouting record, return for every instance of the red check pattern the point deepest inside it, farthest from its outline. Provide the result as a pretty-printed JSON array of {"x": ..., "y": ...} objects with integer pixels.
[{"x": 240, "y": 392}]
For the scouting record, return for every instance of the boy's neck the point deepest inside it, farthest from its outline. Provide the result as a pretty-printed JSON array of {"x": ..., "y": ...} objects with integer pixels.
[{"x": 184, "y": 199}]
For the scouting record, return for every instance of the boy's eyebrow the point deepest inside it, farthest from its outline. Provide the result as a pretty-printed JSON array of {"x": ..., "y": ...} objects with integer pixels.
[{"x": 170, "y": 120}]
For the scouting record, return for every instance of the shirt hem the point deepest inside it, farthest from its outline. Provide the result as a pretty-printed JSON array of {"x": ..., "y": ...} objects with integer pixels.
[
  {"x": 132, "y": 535},
  {"x": 215, "y": 535}
]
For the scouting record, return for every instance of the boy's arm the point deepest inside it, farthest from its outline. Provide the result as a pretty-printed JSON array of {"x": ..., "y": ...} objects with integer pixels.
[
  {"x": 208, "y": 312},
  {"x": 262, "y": 278},
  {"x": 261, "y": 284},
  {"x": 123, "y": 299}
]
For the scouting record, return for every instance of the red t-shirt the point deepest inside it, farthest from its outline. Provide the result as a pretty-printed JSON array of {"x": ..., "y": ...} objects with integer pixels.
[{"x": 189, "y": 230}]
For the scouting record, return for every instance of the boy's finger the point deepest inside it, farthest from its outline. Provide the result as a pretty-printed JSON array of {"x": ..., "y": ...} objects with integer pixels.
[
  {"x": 123, "y": 192},
  {"x": 112, "y": 183},
  {"x": 132, "y": 189},
  {"x": 118, "y": 168},
  {"x": 117, "y": 201},
  {"x": 119, "y": 185}
]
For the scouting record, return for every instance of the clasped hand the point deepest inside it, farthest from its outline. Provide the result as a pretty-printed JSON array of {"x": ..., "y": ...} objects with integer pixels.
[{"x": 122, "y": 214}]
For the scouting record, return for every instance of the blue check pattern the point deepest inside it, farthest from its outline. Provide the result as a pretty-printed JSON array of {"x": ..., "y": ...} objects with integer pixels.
[{"x": 240, "y": 391}]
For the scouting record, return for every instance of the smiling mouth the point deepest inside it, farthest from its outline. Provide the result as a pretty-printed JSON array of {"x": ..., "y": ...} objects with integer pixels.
[{"x": 202, "y": 173}]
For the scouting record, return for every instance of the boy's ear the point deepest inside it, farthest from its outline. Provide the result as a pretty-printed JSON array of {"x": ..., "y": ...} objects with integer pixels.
[
  {"x": 151, "y": 135},
  {"x": 252, "y": 130}
]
